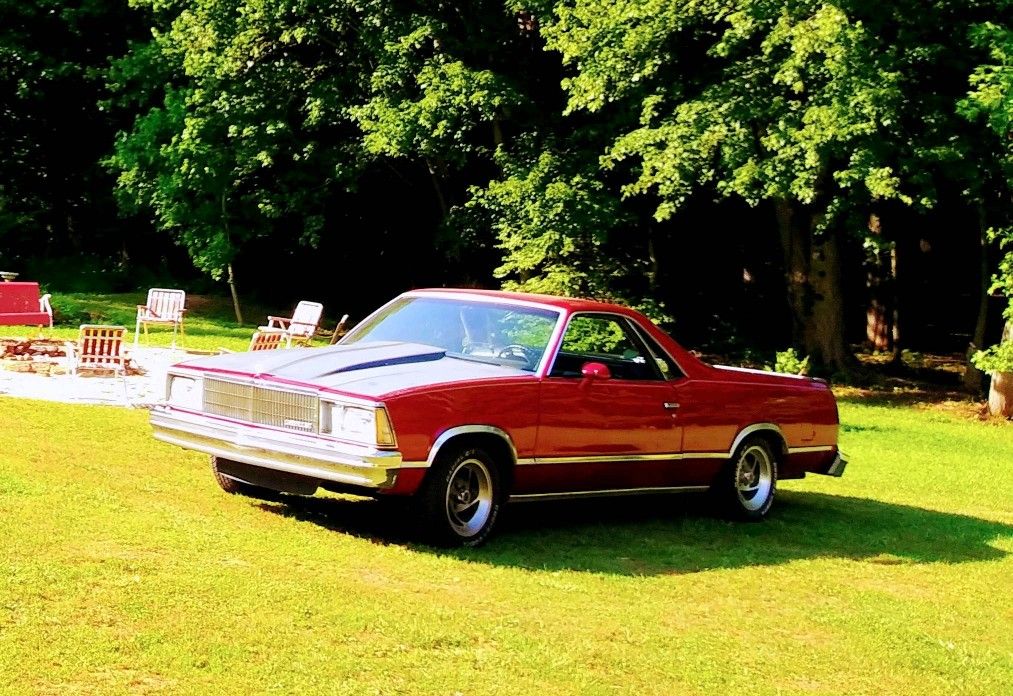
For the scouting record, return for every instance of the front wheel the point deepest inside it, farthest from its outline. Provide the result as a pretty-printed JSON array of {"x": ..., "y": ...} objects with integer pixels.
[
  {"x": 236, "y": 487},
  {"x": 747, "y": 485},
  {"x": 461, "y": 498}
]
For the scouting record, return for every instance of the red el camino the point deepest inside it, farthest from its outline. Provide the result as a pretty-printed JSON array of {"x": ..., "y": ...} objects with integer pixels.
[{"x": 468, "y": 399}]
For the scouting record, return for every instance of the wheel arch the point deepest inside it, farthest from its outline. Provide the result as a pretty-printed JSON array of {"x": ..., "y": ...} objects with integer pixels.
[
  {"x": 770, "y": 432},
  {"x": 495, "y": 440}
]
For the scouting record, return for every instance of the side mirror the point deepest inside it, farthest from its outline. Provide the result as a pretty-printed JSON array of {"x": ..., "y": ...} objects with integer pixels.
[{"x": 595, "y": 370}]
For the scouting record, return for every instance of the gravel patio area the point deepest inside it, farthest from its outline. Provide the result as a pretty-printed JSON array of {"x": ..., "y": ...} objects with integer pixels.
[{"x": 142, "y": 390}]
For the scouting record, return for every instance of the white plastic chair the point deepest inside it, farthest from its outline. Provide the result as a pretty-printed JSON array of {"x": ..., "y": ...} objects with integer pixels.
[
  {"x": 303, "y": 324},
  {"x": 45, "y": 306},
  {"x": 164, "y": 306}
]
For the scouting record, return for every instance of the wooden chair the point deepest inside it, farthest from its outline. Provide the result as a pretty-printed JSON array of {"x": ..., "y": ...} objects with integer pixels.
[
  {"x": 340, "y": 330},
  {"x": 263, "y": 339},
  {"x": 303, "y": 324},
  {"x": 267, "y": 339},
  {"x": 99, "y": 347},
  {"x": 164, "y": 306}
]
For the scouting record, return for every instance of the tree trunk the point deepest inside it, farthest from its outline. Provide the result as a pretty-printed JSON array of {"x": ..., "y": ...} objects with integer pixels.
[
  {"x": 813, "y": 276},
  {"x": 653, "y": 265},
  {"x": 895, "y": 297},
  {"x": 795, "y": 245},
  {"x": 824, "y": 337},
  {"x": 232, "y": 276},
  {"x": 973, "y": 378},
  {"x": 881, "y": 316},
  {"x": 1000, "y": 390},
  {"x": 235, "y": 296},
  {"x": 437, "y": 188},
  {"x": 1000, "y": 394},
  {"x": 878, "y": 314},
  {"x": 497, "y": 131}
]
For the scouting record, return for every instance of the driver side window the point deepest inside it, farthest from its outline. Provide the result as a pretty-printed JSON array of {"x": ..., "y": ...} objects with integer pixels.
[{"x": 604, "y": 339}]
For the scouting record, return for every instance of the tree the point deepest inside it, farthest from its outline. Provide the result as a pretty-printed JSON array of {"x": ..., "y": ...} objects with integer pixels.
[
  {"x": 552, "y": 219},
  {"x": 248, "y": 131},
  {"x": 801, "y": 106},
  {"x": 439, "y": 92},
  {"x": 990, "y": 104}
]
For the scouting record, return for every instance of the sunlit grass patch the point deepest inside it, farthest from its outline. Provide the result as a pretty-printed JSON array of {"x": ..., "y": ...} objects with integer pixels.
[{"x": 124, "y": 569}]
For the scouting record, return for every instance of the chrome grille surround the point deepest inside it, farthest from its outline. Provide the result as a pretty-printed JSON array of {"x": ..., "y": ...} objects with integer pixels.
[{"x": 298, "y": 411}]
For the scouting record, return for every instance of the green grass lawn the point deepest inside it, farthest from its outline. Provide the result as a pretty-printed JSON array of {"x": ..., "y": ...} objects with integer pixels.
[{"x": 123, "y": 569}]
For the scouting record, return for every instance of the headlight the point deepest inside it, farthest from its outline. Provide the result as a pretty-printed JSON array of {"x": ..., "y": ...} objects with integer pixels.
[
  {"x": 358, "y": 423},
  {"x": 187, "y": 392}
]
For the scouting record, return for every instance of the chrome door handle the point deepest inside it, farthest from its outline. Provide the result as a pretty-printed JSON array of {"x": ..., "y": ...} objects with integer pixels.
[{"x": 671, "y": 405}]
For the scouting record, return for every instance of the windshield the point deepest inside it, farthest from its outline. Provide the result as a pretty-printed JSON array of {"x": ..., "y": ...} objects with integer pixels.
[{"x": 502, "y": 334}]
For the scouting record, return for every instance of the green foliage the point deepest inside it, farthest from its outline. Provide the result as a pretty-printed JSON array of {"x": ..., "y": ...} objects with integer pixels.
[
  {"x": 587, "y": 334},
  {"x": 997, "y": 358},
  {"x": 426, "y": 100},
  {"x": 789, "y": 362},
  {"x": 991, "y": 96},
  {"x": 912, "y": 359},
  {"x": 252, "y": 126},
  {"x": 551, "y": 218},
  {"x": 1003, "y": 281},
  {"x": 540, "y": 138},
  {"x": 526, "y": 330},
  {"x": 991, "y": 101},
  {"x": 800, "y": 101}
]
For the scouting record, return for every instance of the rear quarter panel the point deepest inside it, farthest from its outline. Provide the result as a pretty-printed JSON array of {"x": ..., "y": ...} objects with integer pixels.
[{"x": 713, "y": 411}]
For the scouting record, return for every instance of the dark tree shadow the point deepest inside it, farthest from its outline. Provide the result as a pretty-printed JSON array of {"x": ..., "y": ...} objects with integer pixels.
[{"x": 680, "y": 534}]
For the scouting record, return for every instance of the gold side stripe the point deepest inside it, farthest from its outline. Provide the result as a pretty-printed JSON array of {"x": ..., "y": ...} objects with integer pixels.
[
  {"x": 609, "y": 458},
  {"x": 613, "y": 458}
]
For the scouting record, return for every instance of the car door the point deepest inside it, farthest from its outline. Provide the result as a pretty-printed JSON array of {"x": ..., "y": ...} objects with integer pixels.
[{"x": 608, "y": 413}]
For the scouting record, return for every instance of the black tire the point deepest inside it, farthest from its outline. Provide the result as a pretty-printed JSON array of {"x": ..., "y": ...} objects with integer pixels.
[
  {"x": 461, "y": 498},
  {"x": 234, "y": 487},
  {"x": 746, "y": 487}
]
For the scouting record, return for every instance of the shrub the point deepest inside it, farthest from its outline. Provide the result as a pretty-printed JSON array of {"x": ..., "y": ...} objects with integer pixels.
[
  {"x": 998, "y": 358},
  {"x": 788, "y": 362}
]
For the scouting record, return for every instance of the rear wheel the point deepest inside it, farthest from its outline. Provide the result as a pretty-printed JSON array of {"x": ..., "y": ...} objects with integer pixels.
[
  {"x": 461, "y": 497},
  {"x": 747, "y": 484},
  {"x": 236, "y": 487}
]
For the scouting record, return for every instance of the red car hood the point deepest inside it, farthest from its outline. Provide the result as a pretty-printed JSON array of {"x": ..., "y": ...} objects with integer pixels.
[{"x": 369, "y": 369}]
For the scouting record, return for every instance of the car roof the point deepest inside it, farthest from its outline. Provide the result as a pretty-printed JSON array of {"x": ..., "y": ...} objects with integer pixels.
[{"x": 571, "y": 304}]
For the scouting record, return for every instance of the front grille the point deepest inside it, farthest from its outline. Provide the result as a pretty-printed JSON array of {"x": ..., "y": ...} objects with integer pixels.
[{"x": 262, "y": 405}]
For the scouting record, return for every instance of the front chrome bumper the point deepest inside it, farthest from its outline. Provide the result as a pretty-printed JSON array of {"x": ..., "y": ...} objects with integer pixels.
[
  {"x": 838, "y": 465},
  {"x": 302, "y": 455}
]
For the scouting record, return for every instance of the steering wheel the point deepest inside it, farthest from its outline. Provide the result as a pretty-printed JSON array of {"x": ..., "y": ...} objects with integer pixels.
[{"x": 515, "y": 351}]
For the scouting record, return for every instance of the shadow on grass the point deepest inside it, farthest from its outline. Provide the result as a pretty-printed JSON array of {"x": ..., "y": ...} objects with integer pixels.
[{"x": 679, "y": 534}]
